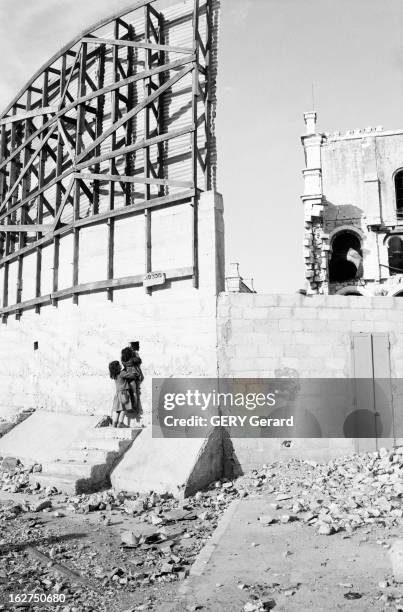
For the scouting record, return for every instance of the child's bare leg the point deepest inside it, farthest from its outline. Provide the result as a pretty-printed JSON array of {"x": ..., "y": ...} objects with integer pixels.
[{"x": 121, "y": 419}]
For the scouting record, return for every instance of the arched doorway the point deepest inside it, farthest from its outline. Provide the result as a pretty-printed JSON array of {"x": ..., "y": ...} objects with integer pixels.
[
  {"x": 346, "y": 258},
  {"x": 395, "y": 255}
]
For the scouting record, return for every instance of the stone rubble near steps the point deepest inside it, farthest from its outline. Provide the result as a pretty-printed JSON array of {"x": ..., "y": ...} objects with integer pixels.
[
  {"x": 14, "y": 477},
  {"x": 161, "y": 535},
  {"x": 158, "y": 546}
]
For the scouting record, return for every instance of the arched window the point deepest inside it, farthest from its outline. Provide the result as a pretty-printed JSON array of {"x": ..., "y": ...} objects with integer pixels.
[
  {"x": 346, "y": 259},
  {"x": 399, "y": 194},
  {"x": 395, "y": 255}
]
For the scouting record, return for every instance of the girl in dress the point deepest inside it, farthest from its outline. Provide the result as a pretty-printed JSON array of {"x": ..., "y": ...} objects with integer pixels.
[{"x": 122, "y": 400}]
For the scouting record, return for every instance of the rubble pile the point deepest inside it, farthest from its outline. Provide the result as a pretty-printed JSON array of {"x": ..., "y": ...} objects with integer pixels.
[
  {"x": 14, "y": 476},
  {"x": 342, "y": 495},
  {"x": 104, "y": 549},
  {"x": 138, "y": 544}
]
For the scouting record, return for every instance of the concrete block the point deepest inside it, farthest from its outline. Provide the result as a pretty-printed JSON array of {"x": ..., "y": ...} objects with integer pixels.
[
  {"x": 360, "y": 301},
  {"x": 331, "y": 314},
  {"x": 337, "y": 301},
  {"x": 319, "y": 350},
  {"x": 294, "y": 299},
  {"x": 291, "y": 362},
  {"x": 268, "y": 350},
  {"x": 335, "y": 363},
  {"x": 294, "y": 350},
  {"x": 306, "y": 313},
  {"x": 377, "y": 314},
  {"x": 167, "y": 465},
  {"x": 291, "y": 325},
  {"x": 252, "y": 312},
  {"x": 314, "y": 301},
  {"x": 306, "y": 338},
  {"x": 315, "y": 325},
  {"x": 265, "y": 326},
  {"x": 267, "y": 363},
  {"x": 362, "y": 326},
  {"x": 262, "y": 300},
  {"x": 281, "y": 312},
  {"x": 344, "y": 325}
]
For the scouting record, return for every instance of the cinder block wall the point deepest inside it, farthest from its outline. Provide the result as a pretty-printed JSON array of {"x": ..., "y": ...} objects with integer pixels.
[{"x": 271, "y": 336}]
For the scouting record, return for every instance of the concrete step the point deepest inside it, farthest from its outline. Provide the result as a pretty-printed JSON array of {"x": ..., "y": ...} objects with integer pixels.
[
  {"x": 86, "y": 465},
  {"x": 91, "y": 456},
  {"x": 64, "y": 484},
  {"x": 114, "y": 433},
  {"x": 68, "y": 468},
  {"x": 109, "y": 444}
]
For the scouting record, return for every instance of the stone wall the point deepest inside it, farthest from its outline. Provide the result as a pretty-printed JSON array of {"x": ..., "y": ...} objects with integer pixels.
[
  {"x": 273, "y": 336},
  {"x": 268, "y": 335}
]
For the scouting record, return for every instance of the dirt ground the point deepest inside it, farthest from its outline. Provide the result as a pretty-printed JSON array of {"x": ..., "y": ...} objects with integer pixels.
[
  {"x": 291, "y": 536},
  {"x": 287, "y": 567}
]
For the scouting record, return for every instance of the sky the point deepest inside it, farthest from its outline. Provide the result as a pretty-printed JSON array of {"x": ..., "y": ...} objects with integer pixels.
[{"x": 271, "y": 53}]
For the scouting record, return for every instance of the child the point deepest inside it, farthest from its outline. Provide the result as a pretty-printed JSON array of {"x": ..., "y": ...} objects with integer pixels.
[
  {"x": 121, "y": 401},
  {"x": 131, "y": 363}
]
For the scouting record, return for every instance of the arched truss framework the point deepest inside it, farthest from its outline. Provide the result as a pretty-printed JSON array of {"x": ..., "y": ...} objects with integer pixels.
[{"x": 119, "y": 123}]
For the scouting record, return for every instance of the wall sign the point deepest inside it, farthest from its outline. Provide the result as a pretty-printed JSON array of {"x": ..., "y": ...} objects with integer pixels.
[{"x": 154, "y": 278}]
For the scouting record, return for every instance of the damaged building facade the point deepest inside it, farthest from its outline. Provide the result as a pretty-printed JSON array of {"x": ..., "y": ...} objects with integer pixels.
[{"x": 353, "y": 204}]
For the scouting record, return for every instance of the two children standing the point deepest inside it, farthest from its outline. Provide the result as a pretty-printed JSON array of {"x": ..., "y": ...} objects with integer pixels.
[{"x": 128, "y": 378}]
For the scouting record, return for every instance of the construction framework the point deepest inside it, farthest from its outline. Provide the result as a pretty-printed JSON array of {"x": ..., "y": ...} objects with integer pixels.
[{"x": 91, "y": 139}]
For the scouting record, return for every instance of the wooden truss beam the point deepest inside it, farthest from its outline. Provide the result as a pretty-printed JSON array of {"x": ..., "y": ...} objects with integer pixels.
[
  {"x": 91, "y": 140},
  {"x": 136, "y": 45}
]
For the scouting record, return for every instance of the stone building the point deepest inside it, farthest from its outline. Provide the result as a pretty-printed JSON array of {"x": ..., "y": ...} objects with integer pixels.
[{"x": 353, "y": 203}]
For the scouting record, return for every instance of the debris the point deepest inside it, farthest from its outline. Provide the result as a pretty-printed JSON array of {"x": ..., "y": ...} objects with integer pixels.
[
  {"x": 129, "y": 539},
  {"x": 179, "y": 515},
  {"x": 283, "y": 497},
  {"x": 325, "y": 529},
  {"x": 41, "y": 505},
  {"x": 267, "y": 519},
  {"x": 352, "y": 595}
]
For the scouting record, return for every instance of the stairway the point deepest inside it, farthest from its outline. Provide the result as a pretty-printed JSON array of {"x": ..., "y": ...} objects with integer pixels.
[{"x": 86, "y": 465}]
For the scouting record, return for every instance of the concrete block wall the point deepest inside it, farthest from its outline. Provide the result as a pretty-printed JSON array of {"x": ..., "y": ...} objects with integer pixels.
[
  {"x": 269, "y": 336},
  {"x": 275, "y": 335}
]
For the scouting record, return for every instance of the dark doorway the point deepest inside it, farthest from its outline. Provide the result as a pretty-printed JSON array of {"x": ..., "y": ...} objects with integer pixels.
[
  {"x": 346, "y": 260},
  {"x": 395, "y": 255}
]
